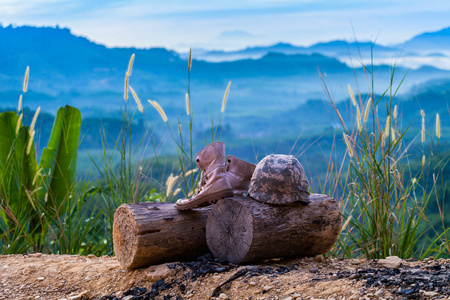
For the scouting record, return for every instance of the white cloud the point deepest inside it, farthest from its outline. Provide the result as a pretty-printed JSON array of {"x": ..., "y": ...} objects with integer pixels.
[{"x": 171, "y": 23}]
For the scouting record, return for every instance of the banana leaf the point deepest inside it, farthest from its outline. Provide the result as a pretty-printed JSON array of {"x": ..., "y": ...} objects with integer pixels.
[{"x": 59, "y": 159}]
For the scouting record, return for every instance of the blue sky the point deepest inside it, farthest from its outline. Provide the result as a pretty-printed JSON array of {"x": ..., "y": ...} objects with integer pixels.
[{"x": 180, "y": 24}]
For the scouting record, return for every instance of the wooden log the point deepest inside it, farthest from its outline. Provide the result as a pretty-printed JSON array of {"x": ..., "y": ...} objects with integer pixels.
[
  {"x": 242, "y": 230},
  {"x": 152, "y": 233}
]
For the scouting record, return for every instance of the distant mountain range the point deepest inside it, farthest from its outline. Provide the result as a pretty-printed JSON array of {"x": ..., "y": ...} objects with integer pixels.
[
  {"x": 67, "y": 69},
  {"x": 270, "y": 95},
  {"x": 431, "y": 44}
]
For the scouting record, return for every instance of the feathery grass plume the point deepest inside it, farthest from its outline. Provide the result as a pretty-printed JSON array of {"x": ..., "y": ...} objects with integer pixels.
[
  {"x": 225, "y": 97},
  {"x": 351, "y": 95},
  {"x": 358, "y": 118},
  {"x": 438, "y": 126},
  {"x": 19, "y": 107},
  {"x": 190, "y": 60},
  {"x": 386, "y": 131},
  {"x": 366, "y": 110},
  {"x": 179, "y": 128},
  {"x": 414, "y": 180},
  {"x": 423, "y": 160},
  {"x": 130, "y": 65},
  {"x": 25, "y": 80},
  {"x": 176, "y": 192},
  {"x": 395, "y": 114},
  {"x": 171, "y": 180},
  {"x": 30, "y": 142},
  {"x": 19, "y": 122},
  {"x": 136, "y": 98},
  {"x": 190, "y": 172},
  {"x": 347, "y": 143},
  {"x": 423, "y": 125},
  {"x": 33, "y": 122},
  {"x": 387, "y": 128},
  {"x": 188, "y": 105},
  {"x": 125, "y": 88},
  {"x": 159, "y": 109},
  {"x": 393, "y": 135}
]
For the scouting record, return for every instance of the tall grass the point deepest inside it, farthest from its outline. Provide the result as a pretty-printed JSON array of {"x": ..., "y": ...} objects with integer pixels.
[
  {"x": 186, "y": 181},
  {"x": 384, "y": 200},
  {"x": 40, "y": 209}
]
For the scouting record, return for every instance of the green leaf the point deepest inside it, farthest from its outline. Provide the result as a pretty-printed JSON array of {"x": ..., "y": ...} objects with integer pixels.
[{"x": 59, "y": 159}]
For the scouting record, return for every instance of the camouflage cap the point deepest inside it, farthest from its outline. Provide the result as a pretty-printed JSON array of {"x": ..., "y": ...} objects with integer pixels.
[{"x": 279, "y": 179}]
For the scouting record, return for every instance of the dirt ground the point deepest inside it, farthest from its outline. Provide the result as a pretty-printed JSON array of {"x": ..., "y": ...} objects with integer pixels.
[{"x": 38, "y": 276}]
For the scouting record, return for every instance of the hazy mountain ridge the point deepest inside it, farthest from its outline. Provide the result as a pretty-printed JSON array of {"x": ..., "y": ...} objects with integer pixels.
[{"x": 265, "y": 92}]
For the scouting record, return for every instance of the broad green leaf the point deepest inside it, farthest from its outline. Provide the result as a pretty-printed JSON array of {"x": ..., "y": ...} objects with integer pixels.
[{"x": 59, "y": 159}]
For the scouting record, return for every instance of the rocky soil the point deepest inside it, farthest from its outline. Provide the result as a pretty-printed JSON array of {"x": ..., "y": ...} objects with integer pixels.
[{"x": 38, "y": 276}]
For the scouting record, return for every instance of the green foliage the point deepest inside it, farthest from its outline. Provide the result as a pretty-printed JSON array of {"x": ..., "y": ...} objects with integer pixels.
[
  {"x": 38, "y": 207},
  {"x": 384, "y": 214}
]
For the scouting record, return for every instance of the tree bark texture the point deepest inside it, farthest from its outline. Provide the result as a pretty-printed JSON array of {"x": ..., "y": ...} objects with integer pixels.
[
  {"x": 152, "y": 233},
  {"x": 242, "y": 230}
]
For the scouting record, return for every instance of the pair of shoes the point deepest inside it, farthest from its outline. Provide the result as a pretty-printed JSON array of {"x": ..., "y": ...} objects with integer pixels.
[{"x": 218, "y": 179}]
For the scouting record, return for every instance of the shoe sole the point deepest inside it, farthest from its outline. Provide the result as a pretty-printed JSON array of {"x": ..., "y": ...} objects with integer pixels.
[{"x": 206, "y": 200}]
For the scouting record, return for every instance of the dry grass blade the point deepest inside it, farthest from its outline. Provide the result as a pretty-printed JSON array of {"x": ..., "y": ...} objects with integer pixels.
[
  {"x": 136, "y": 98},
  {"x": 19, "y": 123},
  {"x": 25, "y": 80},
  {"x": 159, "y": 109},
  {"x": 190, "y": 60},
  {"x": 125, "y": 88},
  {"x": 30, "y": 142},
  {"x": 347, "y": 143},
  {"x": 438, "y": 126},
  {"x": 367, "y": 109},
  {"x": 33, "y": 122},
  {"x": 130, "y": 65},
  {"x": 423, "y": 126},
  {"x": 358, "y": 118},
  {"x": 225, "y": 96},
  {"x": 19, "y": 107},
  {"x": 352, "y": 96},
  {"x": 190, "y": 172},
  {"x": 188, "y": 105}
]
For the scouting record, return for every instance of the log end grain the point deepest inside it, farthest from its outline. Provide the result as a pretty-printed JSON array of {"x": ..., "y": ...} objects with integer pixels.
[
  {"x": 229, "y": 230},
  {"x": 124, "y": 236}
]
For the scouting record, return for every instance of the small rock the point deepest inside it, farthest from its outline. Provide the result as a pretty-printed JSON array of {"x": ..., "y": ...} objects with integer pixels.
[
  {"x": 429, "y": 294},
  {"x": 223, "y": 296},
  {"x": 314, "y": 270},
  {"x": 129, "y": 297},
  {"x": 268, "y": 288},
  {"x": 35, "y": 254},
  {"x": 288, "y": 298},
  {"x": 82, "y": 296},
  {"x": 158, "y": 272},
  {"x": 252, "y": 283},
  {"x": 40, "y": 278},
  {"x": 353, "y": 276},
  {"x": 379, "y": 293},
  {"x": 319, "y": 258},
  {"x": 391, "y": 262},
  {"x": 91, "y": 256}
]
